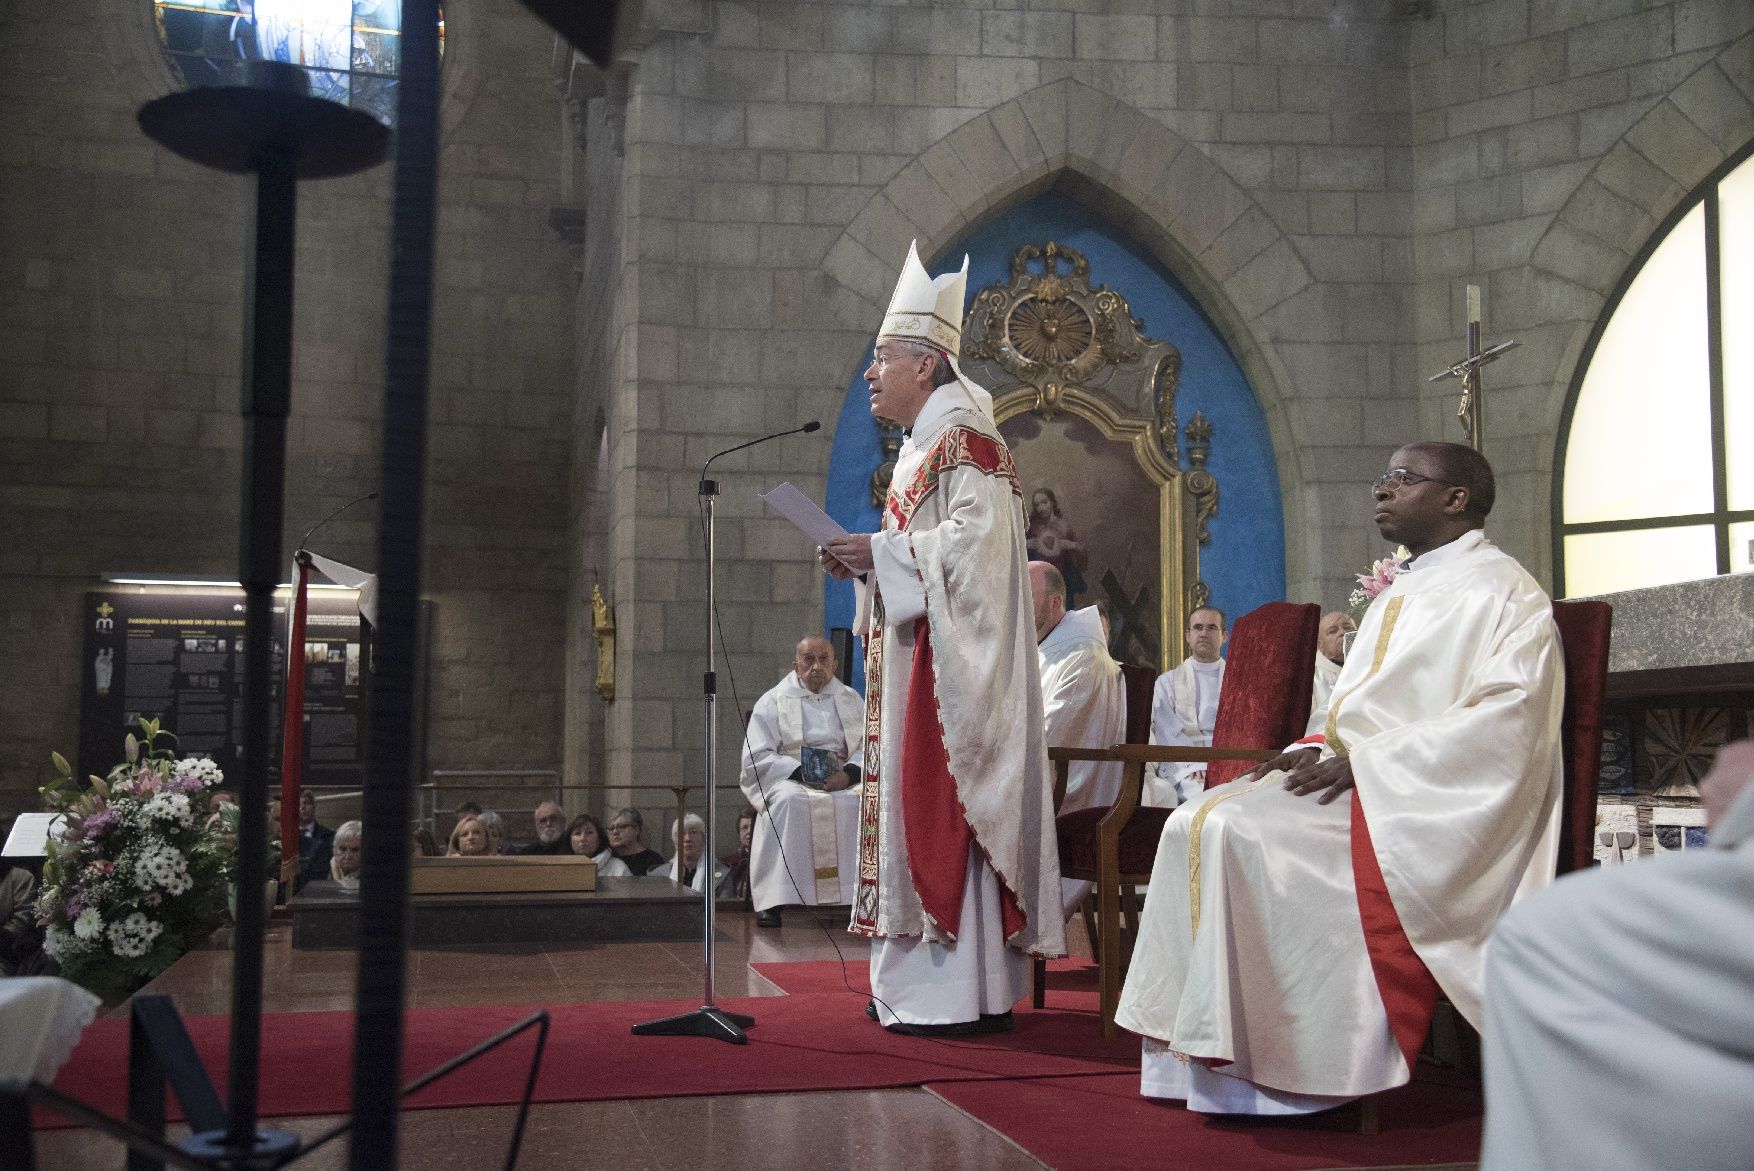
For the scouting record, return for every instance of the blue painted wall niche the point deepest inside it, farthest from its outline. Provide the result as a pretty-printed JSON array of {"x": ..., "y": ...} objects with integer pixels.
[{"x": 1245, "y": 561}]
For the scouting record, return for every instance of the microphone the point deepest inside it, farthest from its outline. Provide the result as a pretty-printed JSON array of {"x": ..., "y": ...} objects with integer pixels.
[
  {"x": 302, "y": 541},
  {"x": 812, "y": 425}
]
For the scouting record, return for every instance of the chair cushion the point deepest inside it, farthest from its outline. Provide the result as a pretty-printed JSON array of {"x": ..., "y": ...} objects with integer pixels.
[{"x": 1077, "y": 833}]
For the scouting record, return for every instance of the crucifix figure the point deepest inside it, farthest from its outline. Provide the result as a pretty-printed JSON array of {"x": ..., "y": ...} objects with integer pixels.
[{"x": 1471, "y": 410}]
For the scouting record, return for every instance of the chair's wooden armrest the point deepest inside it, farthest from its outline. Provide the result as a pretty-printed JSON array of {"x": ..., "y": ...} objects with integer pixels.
[
  {"x": 1063, "y": 758},
  {"x": 1163, "y": 754}
]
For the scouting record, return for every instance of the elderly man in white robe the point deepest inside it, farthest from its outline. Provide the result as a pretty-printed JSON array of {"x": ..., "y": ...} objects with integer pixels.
[
  {"x": 1184, "y": 710},
  {"x": 1330, "y": 657},
  {"x": 803, "y": 757},
  {"x": 1083, "y": 695},
  {"x": 959, "y": 878},
  {"x": 1619, "y": 1025},
  {"x": 1301, "y": 920}
]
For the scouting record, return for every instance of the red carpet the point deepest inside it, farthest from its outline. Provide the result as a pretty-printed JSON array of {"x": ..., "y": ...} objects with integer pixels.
[
  {"x": 1102, "y": 1124},
  {"x": 1071, "y": 983},
  {"x": 805, "y": 1041}
]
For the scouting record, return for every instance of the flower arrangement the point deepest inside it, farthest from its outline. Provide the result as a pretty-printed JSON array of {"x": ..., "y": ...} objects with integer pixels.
[
  {"x": 137, "y": 875},
  {"x": 1376, "y": 581}
]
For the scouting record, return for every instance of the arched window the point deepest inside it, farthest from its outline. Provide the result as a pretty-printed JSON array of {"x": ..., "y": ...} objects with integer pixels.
[
  {"x": 1656, "y": 468},
  {"x": 352, "y": 49}
]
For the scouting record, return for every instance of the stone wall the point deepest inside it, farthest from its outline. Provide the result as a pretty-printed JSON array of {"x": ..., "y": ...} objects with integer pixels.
[
  {"x": 121, "y": 273},
  {"x": 1326, "y": 177}
]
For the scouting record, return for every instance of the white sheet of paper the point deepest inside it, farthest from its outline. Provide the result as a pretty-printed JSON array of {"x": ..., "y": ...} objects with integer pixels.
[
  {"x": 803, "y": 512},
  {"x": 30, "y": 835}
]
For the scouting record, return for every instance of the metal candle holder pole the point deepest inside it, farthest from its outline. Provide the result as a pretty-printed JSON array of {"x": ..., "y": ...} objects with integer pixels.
[{"x": 270, "y": 127}]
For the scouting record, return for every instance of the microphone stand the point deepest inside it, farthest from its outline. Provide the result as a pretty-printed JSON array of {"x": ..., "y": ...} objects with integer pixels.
[{"x": 709, "y": 1020}]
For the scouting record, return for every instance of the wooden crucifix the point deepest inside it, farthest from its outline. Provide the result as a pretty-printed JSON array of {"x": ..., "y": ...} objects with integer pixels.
[{"x": 1471, "y": 410}]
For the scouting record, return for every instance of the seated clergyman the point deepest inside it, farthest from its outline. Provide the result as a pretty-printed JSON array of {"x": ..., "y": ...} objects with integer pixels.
[
  {"x": 802, "y": 758},
  {"x": 1302, "y": 919}
]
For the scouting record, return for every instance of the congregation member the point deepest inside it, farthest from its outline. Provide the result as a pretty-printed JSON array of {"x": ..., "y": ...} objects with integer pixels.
[
  {"x": 1184, "y": 710},
  {"x": 1301, "y": 920},
  {"x": 689, "y": 838},
  {"x": 344, "y": 858},
  {"x": 315, "y": 842},
  {"x": 1084, "y": 698},
  {"x": 585, "y": 836},
  {"x": 958, "y": 879},
  {"x": 20, "y": 939},
  {"x": 550, "y": 840},
  {"x": 626, "y": 828},
  {"x": 802, "y": 758},
  {"x": 1619, "y": 1030},
  {"x": 1330, "y": 657},
  {"x": 469, "y": 839},
  {"x": 495, "y": 826},
  {"x": 735, "y": 883}
]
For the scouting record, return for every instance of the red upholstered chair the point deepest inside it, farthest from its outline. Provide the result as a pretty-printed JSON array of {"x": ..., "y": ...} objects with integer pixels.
[{"x": 1269, "y": 675}]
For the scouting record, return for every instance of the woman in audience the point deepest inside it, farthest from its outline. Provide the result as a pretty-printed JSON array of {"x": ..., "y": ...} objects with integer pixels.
[
  {"x": 690, "y": 865},
  {"x": 469, "y": 839},
  {"x": 495, "y": 831},
  {"x": 625, "y": 828},
  {"x": 344, "y": 855},
  {"x": 587, "y": 837}
]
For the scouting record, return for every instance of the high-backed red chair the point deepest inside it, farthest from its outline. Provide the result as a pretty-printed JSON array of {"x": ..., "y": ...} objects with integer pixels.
[{"x": 1269, "y": 676}]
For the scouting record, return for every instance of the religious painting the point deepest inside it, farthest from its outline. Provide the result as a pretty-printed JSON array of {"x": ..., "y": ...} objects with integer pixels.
[
  {"x": 1086, "y": 403},
  {"x": 1095, "y": 514}
]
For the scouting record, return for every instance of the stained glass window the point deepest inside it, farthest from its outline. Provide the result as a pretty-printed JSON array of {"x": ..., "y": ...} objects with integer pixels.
[
  {"x": 350, "y": 48},
  {"x": 1656, "y": 480}
]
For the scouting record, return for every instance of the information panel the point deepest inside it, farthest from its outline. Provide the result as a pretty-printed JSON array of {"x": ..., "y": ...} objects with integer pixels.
[{"x": 172, "y": 654}]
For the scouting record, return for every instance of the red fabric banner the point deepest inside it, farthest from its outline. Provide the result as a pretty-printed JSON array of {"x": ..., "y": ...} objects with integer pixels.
[{"x": 292, "y": 730}]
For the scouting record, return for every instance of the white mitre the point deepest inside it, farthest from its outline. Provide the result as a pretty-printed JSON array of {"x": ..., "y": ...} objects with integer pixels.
[{"x": 928, "y": 309}]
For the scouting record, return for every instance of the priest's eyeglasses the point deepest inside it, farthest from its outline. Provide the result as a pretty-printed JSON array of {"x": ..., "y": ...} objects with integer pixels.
[{"x": 1397, "y": 478}]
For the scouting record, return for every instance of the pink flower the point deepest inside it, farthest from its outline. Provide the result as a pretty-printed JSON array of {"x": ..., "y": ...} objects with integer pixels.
[{"x": 1381, "y": 574}]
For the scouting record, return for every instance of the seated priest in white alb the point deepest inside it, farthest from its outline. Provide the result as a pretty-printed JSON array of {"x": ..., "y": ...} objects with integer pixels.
[
  {"x": 802, "y": 758},
  {"x": 687, "y": 868},
  {"x": 1330, "y": 657},
  {"x": 1301, "y": 920},
  {"x": 1184, "y": 710},
  {"x": 1619, "y": 1025},
  {"x": 1082, "y": 695}
]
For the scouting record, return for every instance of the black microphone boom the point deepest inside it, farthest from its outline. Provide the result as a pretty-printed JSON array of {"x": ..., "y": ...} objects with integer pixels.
[{"x": 812, "y": 425}]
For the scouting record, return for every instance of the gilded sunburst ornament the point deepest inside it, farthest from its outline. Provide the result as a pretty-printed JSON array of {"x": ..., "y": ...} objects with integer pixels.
[{"x": 1049, "y": 331}]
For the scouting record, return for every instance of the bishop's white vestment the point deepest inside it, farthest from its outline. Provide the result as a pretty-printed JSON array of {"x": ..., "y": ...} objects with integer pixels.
[
  {"x": 1619, "y": 1021},
  {"x": 1085, "y": 700},
  {"x": 958, "y": 865},
  {"x": 805, "y": 847},
  {"x": 1290, "y": 952},
  {"x": 1184, "y": 710},
  {"x": 1327, "y": 673}
]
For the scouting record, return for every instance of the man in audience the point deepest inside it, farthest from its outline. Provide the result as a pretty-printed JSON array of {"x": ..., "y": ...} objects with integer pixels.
[
  {"x": 550, "y": 822},
  {"x": 20, "y": 940},
  {"x": 802, "y": 760},
  {"x": 315, "y": 842},
  {"x": 625, "y": 828},
  {"x": 689, "y": 836},
  {"x": 1083, "y": 698},
  {"x": 1330, "y": 657},
  {"x": 1301, "y": 920},
  {"x": 1619, "y": 1031},
  {"x": 1184, "y": 709}
]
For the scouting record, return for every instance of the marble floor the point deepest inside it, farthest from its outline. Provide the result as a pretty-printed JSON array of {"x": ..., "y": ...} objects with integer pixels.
[{"x": 779, "y": 1132}]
